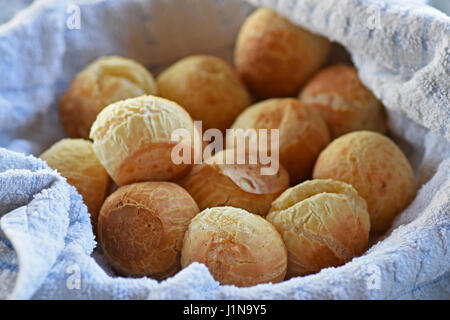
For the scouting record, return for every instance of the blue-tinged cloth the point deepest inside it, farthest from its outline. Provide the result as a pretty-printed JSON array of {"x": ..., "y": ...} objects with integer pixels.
[{"x": 47, "y": 248}]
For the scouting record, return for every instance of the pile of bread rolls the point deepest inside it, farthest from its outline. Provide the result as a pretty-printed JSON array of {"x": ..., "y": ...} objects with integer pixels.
[{"x": 340, "y": 179}]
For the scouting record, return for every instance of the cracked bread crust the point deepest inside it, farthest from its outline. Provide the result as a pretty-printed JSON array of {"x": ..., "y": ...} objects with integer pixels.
[
  {"x": 104, "y": 81},
  {"x": 133, "y": 139},
  {"x": 376, "y": 167},
  {"x": 344, "y": 102},
  {"x": 237, "y": 185},
  {"x": 208, "y": 88},
  {"x": 275, "y": 57},
  {"x": 76, "y": 161},
  {"x": 323, "y": 223},
  {"x": 303, "y": 134},
  {"x": 141, "y": 228},
  {"x": 239, "y": 248}
]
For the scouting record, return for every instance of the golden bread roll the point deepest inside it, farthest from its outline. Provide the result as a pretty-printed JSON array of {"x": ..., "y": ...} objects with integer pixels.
[
  {"x": 141, "y": 228},
  {"x": 376, "y": 168},
  {"x": 303, "y": 134},
  {"x": 216, "y": 183},
  {"x": 104, "y": 81},
  {"x": 275, "y": 57},
  {"x": 344, "y": 102},
  {"x": 133, "y": 139},
  {"x": 76, "y": 161},
  {"x": 323, "y": 223},
  {"x": 208, "y": 88},
  {"x": 238, "y": 247}
]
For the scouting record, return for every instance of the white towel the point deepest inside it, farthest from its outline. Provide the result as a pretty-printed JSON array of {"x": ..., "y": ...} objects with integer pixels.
[{"x": 401, "y": 49}]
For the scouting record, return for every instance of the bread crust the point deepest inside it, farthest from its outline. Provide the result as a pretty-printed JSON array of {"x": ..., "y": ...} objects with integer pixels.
[
  {"x": 376, "y": 168},
  {"x": 323, "y": 223},
  {"x": 216, "y": 184},
  {"x": 303, "y": 134},
  {"x": 141, "y": 228},
  {"x": 344, "y": 102},
  {"x": 239, "y": 248},
  {"x": 104, "y": 81},
  {"x": 208, "y": 88},
  {"x": 75, "y": 160},
  {"x": 133, "y": 139},
  {"x": 275, "y": 57}
]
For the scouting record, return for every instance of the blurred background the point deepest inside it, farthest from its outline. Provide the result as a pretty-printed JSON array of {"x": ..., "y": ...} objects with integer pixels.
[{"x": 10, "y": 7}]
